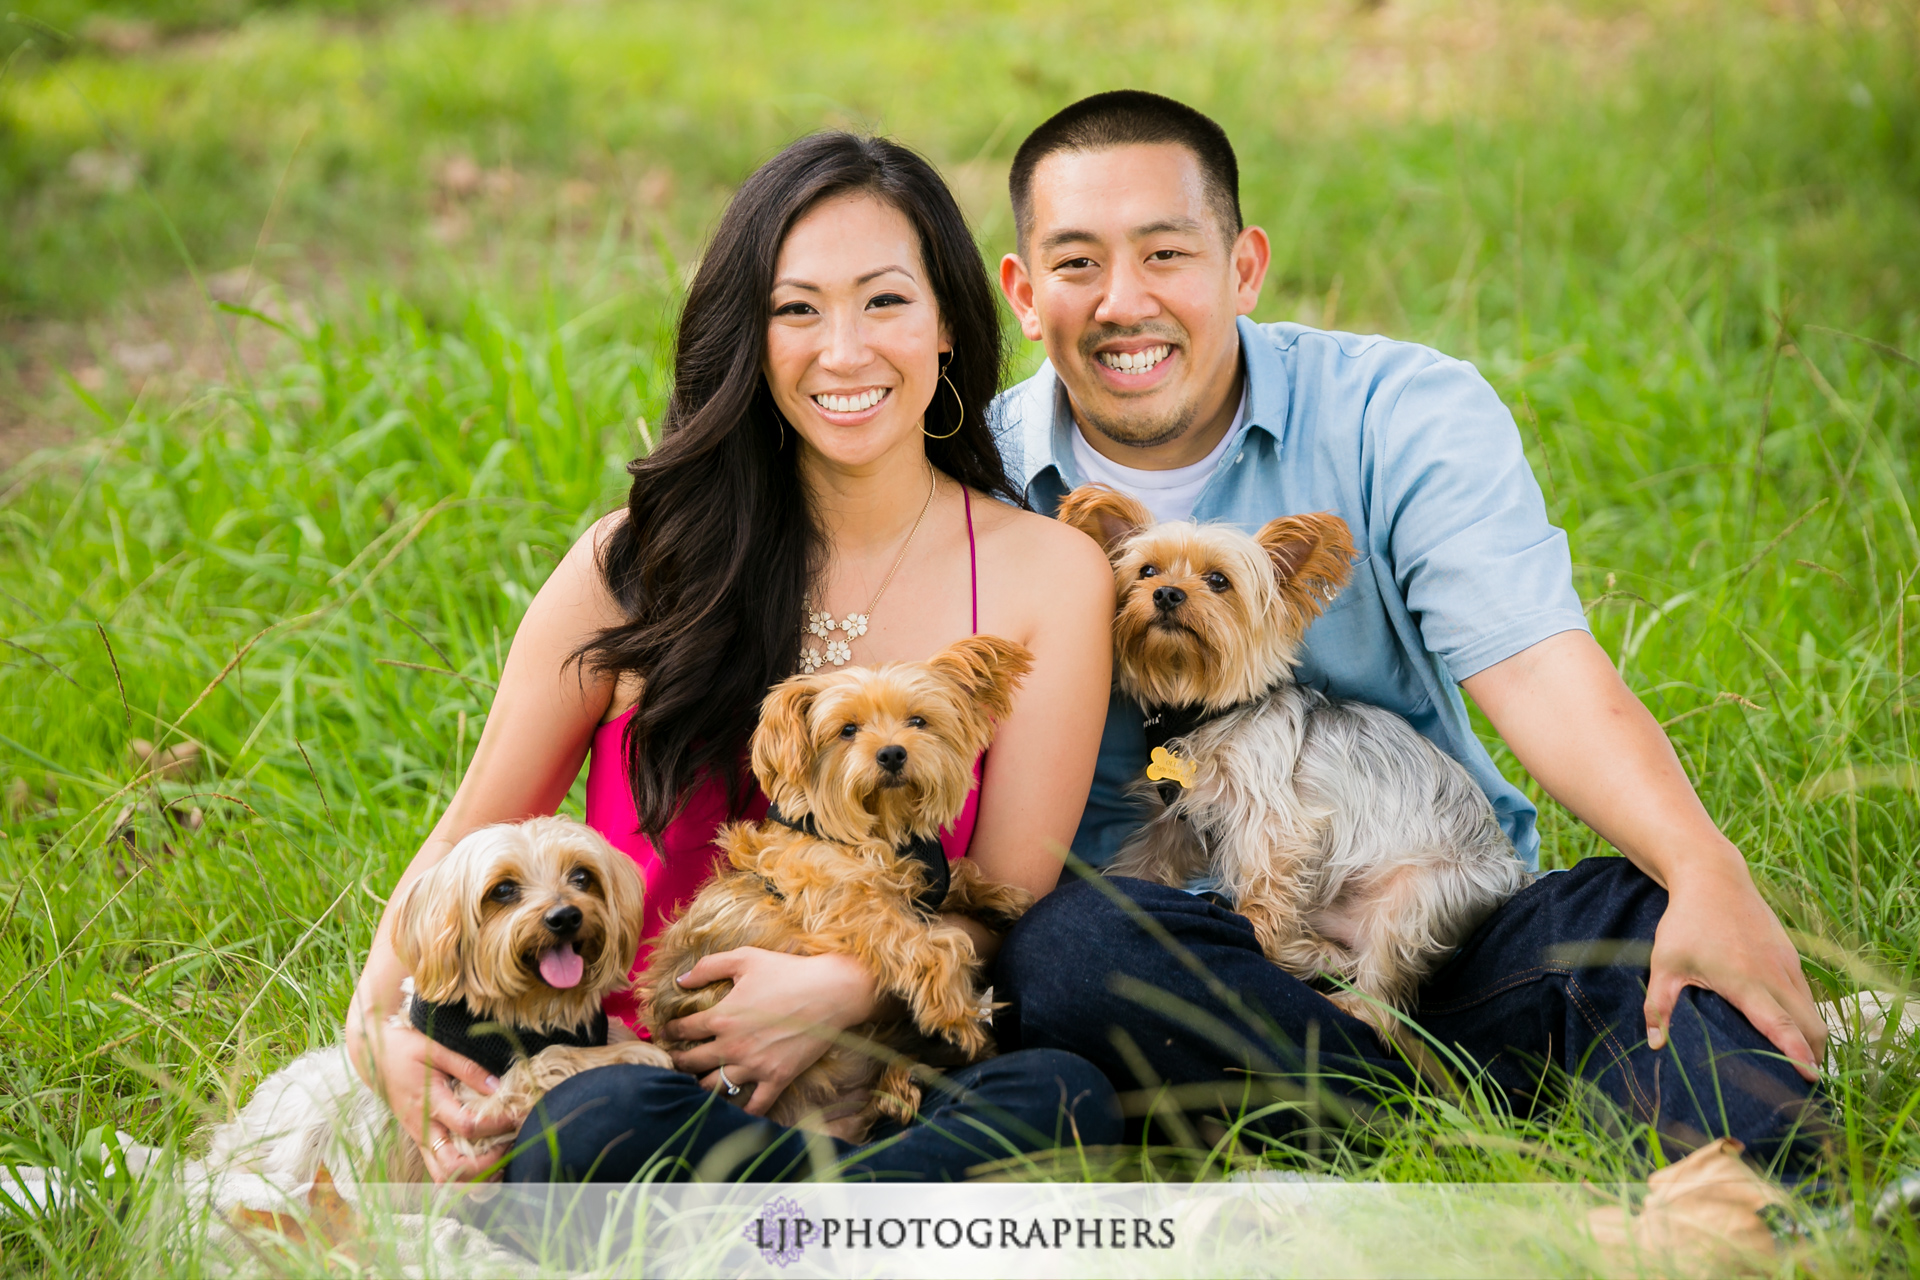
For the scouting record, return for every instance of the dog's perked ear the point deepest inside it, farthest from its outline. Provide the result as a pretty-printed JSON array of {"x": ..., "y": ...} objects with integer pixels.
[
  {"x": 1312, "y": 559},
  {"x": 988, "y": 668},
  {"x": 783, "y": 750},
  {"x": 428, "y": 923},
  {"x": 1106, "y": 515}
]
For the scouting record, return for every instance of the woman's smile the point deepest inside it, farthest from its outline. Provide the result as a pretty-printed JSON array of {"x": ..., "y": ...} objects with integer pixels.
[{"x": 851, "y": 408}]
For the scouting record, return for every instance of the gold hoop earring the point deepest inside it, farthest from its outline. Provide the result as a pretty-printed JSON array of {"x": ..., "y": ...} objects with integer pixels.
[{"x": 962, "y": 404}]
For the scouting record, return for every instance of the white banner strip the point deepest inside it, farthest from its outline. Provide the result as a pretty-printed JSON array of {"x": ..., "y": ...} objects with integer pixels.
[{"x": 1278, "y": 1227}]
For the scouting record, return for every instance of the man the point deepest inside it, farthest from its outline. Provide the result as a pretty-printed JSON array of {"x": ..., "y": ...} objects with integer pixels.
[{"x": 1135, "y": 270}]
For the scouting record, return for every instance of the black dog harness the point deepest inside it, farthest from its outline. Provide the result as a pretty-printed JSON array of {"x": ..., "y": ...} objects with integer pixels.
[
  {"x": 494, "y": 1045},
  {"x": 925, "y": 850}
]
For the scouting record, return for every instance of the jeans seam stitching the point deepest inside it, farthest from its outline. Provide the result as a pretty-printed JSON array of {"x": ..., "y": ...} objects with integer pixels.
[
  {"x": 1624, "y": 1061},
  {"x": 1506, "y": 984}
]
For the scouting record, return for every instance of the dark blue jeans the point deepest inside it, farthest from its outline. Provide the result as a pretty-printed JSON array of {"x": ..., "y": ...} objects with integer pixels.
[
  {"x": 613, "y": 1124},
  {"x": 1161, "y": 988}
]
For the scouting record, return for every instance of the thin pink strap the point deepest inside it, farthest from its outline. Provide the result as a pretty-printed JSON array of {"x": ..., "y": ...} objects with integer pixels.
[{"x": 973, "y": 564}]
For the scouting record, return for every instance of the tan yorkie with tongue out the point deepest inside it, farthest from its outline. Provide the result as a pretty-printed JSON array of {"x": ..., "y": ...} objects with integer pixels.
[
  {"x": 1356, "y": 847},
  {"x": 512, "y": 942}
]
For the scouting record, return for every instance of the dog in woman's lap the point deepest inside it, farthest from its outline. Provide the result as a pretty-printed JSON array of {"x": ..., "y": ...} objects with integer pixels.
[
  {"x": 860, "y": 765},
  {"x": 513, "y": 940},
  {"x": 1355, "y": 847}
]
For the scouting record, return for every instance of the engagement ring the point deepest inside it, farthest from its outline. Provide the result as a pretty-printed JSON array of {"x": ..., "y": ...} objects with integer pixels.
[{"x": 731, "y": 1087}]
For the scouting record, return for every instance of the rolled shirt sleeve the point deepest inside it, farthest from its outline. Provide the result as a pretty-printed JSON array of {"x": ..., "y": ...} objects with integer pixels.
[{"x": 1482, "y": 570}]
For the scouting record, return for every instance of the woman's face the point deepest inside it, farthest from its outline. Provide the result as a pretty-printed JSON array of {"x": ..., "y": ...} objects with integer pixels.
[{"x": 853, "y": 349}]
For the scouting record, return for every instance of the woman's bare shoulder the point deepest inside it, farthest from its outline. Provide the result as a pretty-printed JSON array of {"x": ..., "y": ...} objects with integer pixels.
[
  {"x": 1048, "y": 572},
  {"x": 1028, "y": 535},
  {"x": 594, "y": 541},
  {"x": 575, "y": 595},
  {"x": 586, "y": 590}
]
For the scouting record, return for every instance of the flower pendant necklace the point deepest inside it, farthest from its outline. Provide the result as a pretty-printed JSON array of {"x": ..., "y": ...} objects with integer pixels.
[{"x": 820, "y": 622}]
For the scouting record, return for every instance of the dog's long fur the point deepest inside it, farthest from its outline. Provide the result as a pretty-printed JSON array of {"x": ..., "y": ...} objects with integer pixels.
[
  {"x": 1354, "y": 845},
  {"x": 461, "y": 941},
  {"x": 846, "y": 890}
]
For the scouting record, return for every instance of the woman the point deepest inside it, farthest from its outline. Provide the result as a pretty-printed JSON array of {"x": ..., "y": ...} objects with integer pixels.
[{"x": 826, "y": 452}]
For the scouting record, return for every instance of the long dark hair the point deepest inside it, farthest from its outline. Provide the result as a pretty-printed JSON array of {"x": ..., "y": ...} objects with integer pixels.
[{"x": 714, "y": 560}]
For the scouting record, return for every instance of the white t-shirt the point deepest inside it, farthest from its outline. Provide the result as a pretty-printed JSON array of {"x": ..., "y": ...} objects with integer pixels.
[{"x": 1170, "y": 495}]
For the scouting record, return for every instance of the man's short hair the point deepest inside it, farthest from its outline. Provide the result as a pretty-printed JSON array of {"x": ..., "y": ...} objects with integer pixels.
[{"x": 1130, "y": 117}]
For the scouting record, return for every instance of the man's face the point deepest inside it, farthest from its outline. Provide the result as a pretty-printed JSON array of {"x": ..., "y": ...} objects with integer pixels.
[{"x": 1134, "y": 286}]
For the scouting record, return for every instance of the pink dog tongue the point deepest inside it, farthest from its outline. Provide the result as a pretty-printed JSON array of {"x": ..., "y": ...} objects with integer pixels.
[{"x": 562, "y": 966}]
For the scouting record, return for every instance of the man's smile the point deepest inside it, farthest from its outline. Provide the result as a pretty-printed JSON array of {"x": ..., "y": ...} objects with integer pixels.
[
  {"x": 1134, "y": 365},
  {"x": 1135, "y": 361}
]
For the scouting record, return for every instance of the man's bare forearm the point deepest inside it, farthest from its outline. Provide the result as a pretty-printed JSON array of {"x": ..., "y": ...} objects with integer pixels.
[{"x": 1575, "y": 726}]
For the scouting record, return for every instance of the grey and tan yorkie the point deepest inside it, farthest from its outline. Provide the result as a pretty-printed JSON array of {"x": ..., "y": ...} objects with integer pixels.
[
  {"x": 1356, "y": 847},
  {"x": 511, "y": 942},
  {"x": 862, "y": 766}
]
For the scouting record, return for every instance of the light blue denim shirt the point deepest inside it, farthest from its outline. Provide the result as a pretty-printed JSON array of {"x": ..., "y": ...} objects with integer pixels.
[{"x": 1456, "y": 564}]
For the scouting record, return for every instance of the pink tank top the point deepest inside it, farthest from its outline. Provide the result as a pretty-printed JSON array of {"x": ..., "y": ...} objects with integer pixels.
[{"x": 687, "y": 856}]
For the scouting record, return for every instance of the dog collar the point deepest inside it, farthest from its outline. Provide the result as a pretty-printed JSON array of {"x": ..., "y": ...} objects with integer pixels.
[
  {"x": 1167, "y": 723},
  {"x": 1164, "y": 724},
  {"x": 494, "y": 1045},
  {"x": 925, "y": 850}
]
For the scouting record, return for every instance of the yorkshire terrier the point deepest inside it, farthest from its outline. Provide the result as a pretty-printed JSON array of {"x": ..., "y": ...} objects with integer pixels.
[
  {"x": 1356, "y": 847},
  {"x": 512, "y": 941},
  {"x": 862, "y": 768}
]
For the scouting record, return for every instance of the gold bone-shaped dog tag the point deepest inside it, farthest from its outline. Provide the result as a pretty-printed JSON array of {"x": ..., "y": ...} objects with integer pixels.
[{"x": 1170, "y": 766}]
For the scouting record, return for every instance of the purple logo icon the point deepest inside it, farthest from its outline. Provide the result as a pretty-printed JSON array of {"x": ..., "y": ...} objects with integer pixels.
[{"x": 781, "y": 1231}]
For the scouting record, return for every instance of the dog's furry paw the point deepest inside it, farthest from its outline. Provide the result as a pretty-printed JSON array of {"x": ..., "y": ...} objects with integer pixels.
[
  {"x": 970, "y": 1035},
  {"x": 998, "y": 906},
  {"x": 560, "y": 1062},
  {"x": 896, "y": 1096},
  {"x": 641, "y": 1053}
]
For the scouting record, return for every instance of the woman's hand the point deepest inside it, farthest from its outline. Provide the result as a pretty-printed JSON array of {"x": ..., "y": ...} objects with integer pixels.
[
  {"x": 780, "y": 1017},
  {"x": 414, "y": 1072}
]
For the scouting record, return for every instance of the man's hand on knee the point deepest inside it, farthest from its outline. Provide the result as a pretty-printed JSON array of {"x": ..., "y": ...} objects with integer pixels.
[
  {"x": 1570, "y": 719},
  {"x": 1719, "y": 934}
]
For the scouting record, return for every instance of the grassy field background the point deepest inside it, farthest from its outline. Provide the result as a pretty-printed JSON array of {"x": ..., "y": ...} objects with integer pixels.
[{"x": 324, "y": 328}]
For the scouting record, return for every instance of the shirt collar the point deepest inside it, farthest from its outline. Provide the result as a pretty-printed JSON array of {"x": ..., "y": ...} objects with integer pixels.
[{"x": 1266, "y": 403}]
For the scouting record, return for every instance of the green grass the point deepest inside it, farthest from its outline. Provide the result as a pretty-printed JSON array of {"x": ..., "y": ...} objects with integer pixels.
[{"x": 1679, "y": 239}]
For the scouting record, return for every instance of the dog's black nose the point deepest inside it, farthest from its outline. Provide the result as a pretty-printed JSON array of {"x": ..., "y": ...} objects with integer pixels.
[
  {"x": 1168, "y": 598},
  {"x": 892, "y": 758},
  {"x": 564, "y": 920}
]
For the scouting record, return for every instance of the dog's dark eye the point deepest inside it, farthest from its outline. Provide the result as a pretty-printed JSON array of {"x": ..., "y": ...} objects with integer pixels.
[
  {"x": 1218, "y": 581},
  {"x": 505, "y": 891},
  {"x": 848, "y": 730},
  {"x": 1148, "y": 571},
  {"x": 580, "y": 878},
  {"x": 916, "y": 722}
]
